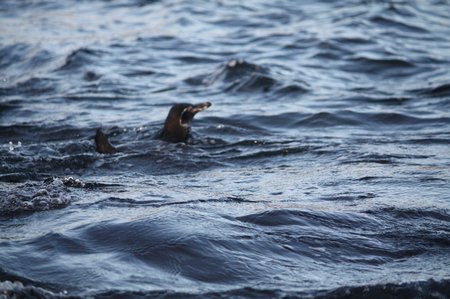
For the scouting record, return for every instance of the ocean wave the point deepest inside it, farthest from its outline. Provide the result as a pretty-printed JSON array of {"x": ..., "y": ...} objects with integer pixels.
[
  {"x": 291, "y": 120},
  {"x": 12, "y": 54},
  {"x": 388, "y": 66},
  {"x": 277, "y": 151},
  {"x": 31, "y": 87},
  {"x": 32, "y": 197},
  {"x": 238, "y": 75},
  {"x": 81, "y": 58},
  {"x": 439, "y": 90},
  {"x": 16, "y": 289},
  {"x": 388, "y": 101},
  {"x": 420, "y": 289},
  {"x": 408, "y": 214},
  {"x": 425, "y": 229},
  {"x": 309, "y": 219},
  {"x": 348, "y": 117},
  {"x": 400, "y": 25}
]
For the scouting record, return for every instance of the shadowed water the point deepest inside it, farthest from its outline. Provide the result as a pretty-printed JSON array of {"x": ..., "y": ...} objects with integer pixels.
[{"x": 320, "y": 170}]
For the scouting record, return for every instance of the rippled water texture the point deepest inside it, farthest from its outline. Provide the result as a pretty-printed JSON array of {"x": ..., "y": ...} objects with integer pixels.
[{"x": 322, "y": 168}]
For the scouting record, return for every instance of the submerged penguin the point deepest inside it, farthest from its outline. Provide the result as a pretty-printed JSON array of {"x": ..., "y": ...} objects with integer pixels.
[{"x": 177, "y": 126}]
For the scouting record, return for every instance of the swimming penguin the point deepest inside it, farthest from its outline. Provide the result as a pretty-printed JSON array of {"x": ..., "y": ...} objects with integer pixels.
[{"x": 177, "y": 126}]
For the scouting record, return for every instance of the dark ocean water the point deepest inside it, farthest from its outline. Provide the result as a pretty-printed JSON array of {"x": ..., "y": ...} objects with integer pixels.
[{"x": 321, "y": 170}]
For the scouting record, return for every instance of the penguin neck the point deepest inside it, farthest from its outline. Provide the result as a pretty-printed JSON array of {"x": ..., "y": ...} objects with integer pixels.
[{"x": 173, "y": 131}]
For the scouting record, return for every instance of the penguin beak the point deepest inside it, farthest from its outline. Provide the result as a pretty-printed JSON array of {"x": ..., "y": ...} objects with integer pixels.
[
  {"x": 189, "y": 112},
  {"x": 199, "y": 107}
]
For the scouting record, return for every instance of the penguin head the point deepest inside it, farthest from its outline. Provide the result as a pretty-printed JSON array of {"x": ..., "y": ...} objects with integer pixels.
[{"x": 178, "y": 121}]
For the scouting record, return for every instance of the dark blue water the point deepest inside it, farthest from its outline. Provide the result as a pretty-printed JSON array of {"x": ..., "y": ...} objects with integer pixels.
[{"x": 321, "y": 170}]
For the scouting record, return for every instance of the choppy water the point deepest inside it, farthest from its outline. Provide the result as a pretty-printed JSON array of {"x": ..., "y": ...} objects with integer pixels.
[{"x": 322, "y": 168}]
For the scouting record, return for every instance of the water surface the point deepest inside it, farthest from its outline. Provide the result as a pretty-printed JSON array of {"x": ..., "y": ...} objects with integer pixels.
[{"x": 320, "y": 170}]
